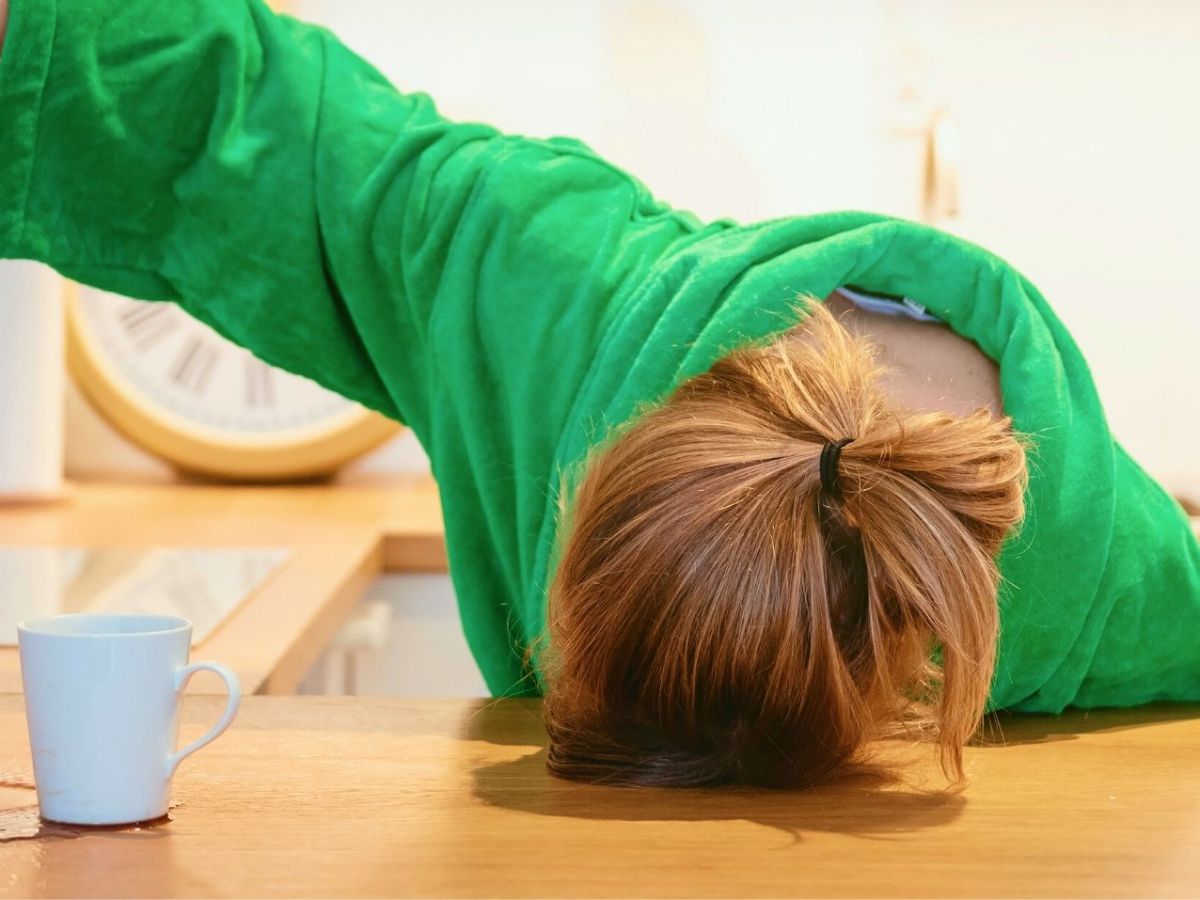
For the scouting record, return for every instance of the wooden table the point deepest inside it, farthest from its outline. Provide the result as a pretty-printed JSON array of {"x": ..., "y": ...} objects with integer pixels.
[
  {"x": 341, "y": 537},
  {"x": 314, "y": 796}
]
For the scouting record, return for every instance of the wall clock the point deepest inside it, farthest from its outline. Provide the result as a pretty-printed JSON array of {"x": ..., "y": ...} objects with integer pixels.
[{"x": 177, "y": 388}]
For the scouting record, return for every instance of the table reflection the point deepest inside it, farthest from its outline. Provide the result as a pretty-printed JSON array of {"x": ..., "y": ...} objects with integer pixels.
[{"x": 201, "y": 584}]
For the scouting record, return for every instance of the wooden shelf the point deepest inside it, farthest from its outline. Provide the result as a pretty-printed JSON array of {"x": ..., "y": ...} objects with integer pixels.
[{"x": 341, "y": 535}]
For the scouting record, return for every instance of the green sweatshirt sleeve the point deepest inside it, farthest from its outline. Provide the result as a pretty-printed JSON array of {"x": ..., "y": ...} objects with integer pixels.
[
  {"x": 252, "y": 169},
  {"x": 172, "y": 151}
]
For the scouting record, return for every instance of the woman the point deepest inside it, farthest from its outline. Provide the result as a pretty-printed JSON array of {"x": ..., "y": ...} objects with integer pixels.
[{"x": 679, "y": 501}]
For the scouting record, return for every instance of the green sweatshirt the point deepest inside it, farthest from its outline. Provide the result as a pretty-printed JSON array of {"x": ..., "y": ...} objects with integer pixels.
[{"x": 511, "y": 298}]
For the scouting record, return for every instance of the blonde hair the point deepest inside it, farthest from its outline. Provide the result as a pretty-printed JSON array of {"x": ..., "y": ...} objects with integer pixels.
[{"x": 715, "y": 617}]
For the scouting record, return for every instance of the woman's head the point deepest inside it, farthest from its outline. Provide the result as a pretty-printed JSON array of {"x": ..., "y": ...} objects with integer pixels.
[{"x": 716, "y": 617}]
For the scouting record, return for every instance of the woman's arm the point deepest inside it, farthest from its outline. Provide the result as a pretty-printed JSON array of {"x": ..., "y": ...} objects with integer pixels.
[
  {"x": 178, "y": 151},
  {"x": 3, "y": 22},
  {"x": 254, "y": 170}
]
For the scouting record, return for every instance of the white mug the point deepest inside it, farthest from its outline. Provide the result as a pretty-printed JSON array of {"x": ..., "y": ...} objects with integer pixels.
[{"x": 102, "y": 695}]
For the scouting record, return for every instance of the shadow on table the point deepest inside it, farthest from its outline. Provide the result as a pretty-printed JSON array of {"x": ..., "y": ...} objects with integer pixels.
[
  {"x": 851, "y": 806},
  {"x": 846, "y": 808},
  {"x": 854, "y": 807},
  {"x": 1006, "y": 729},
  {"x": 519, "y": 721}
]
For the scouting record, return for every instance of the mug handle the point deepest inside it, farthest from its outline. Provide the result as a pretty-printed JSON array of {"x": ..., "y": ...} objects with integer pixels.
[{"x": 182, "y": 676}]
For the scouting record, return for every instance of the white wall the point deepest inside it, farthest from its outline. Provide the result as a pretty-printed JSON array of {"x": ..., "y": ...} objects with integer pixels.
[{"x": 1080, "y": 124}]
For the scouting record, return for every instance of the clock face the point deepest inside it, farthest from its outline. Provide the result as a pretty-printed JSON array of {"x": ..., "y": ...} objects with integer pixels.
[
  {"x": 183, "y": 370},
  {"x": 178, "y": 389}
]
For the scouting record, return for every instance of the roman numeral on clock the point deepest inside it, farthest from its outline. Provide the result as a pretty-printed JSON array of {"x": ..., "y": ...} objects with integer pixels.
[
  {"x": 147, "y": 323},
  {"x": 260, "y": 388},
  {"x": 194, "y": 364}
]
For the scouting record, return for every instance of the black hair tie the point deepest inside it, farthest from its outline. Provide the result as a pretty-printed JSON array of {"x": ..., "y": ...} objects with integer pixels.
[{"x": 829, "y": 466}]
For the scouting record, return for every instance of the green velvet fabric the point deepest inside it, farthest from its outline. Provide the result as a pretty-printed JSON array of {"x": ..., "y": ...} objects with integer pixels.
[{"x": 511, "y": 298}]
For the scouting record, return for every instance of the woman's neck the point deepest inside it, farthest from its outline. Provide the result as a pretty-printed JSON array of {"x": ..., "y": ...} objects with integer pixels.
[{"x": 929, "y": 365}]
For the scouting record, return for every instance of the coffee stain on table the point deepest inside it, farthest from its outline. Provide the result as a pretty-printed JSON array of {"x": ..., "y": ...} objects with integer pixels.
[{"x": 22, "y": 822}]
